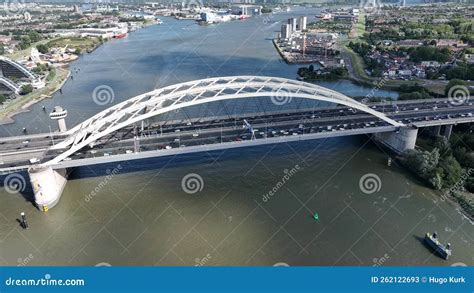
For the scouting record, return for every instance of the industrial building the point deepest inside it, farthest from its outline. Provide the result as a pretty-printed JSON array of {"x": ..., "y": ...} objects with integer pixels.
[
  {"x": 247, "y": 10},
  {"x": 293, "y": 22},
  {"x": 285, "y": 31},
  {"x": 302, "y": 23}
]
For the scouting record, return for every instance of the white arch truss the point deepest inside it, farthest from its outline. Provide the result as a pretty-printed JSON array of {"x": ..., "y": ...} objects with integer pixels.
[
  {"x": 193, "y": 93},
  {"x": 18, "y": 66},
  {"x": 10, "y": 84}
]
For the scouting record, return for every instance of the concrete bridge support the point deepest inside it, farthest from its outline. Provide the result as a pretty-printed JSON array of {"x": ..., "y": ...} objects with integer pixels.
[
  {"x": 399, "y": 141},
  {"x": 444, "y": 130},
  {"x": 48, "y": 185},
  {"x": 447, "y": 131}
]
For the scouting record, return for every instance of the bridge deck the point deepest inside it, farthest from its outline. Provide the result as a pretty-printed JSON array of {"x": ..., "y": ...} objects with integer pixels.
[{"x": 219, "y": 132}]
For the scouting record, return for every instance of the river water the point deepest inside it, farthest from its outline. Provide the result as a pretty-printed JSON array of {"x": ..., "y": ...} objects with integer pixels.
[{"x": 141, "y": 214}]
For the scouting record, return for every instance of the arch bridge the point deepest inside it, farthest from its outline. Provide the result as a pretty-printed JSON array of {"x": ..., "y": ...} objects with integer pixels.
[
  {"x": 49, "y": 178},
  {"x": 8, "y": 85},
  {"x": 194, "y": 93},
  {"x": 10, "y": 68}
]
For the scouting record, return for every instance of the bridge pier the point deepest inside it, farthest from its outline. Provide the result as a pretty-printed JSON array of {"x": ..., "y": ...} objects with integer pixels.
[
  {"x": 442, "y": 130},
  {"x": 48, "y": 185},
  {"x": 399, "y": 141},
  {"x": 436, "y": 130},
  {"x": 447, "y": 131}
]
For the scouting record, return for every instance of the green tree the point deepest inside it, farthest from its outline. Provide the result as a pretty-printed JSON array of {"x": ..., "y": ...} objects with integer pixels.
[
  {"x": 51, "y": 74},
  {"x": 25, "y": 42},
  {"x": 436, "y": 179},
  {"x": 422, "y": 162},
  {"x": 442, "y": 144},
  {"x": 464, "y": 157},
  {"x": 452, "y": 171},
  {"x": 35, "y": 36},
  {"x": 26, "y": 89},
  {"x": 453, "y": 83},
  {"x": 469, "y": 184},
  {"x": 42, "y": 48}
]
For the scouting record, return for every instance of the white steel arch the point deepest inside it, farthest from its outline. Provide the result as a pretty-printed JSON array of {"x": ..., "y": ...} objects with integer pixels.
[
  {"x": 10, "y": 84},
  {"x": 18, "y": 66},
  {"x": 193, "y": 93}
]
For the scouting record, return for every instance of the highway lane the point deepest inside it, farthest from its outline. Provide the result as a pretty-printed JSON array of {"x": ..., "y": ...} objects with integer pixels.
[
  {"x": 228, "y": 131},
  {"x": 388, "y": 107},
  {"x": 180, "y": 133}
]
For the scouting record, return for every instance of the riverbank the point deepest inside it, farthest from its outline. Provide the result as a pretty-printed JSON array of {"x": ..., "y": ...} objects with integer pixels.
[
  {"x": 22, "y": 103},
  {"x": 356, "y": 67},
  {"x": 329, "y": 181},
  {"x": 446, "y": 165},
  {"x": 463, "y": 201},
  {"x": 298, "y": 58},
  {"x": 357, "y": 74},
  {"x": 290, "y": 58}
]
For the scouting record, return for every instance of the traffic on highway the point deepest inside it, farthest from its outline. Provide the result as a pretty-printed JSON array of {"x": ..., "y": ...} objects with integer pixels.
[{"x": 26, "y": 150}]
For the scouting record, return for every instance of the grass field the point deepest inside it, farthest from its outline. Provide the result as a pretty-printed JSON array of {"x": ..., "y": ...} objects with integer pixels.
[
  {"x": 52, "y": 86},
  {"x": 360, "y": 25},
  {"x": 23, "y": 54},
  {"x": 75, "y": 42}
]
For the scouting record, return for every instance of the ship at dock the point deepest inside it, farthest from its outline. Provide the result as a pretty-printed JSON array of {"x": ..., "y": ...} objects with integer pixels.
[
  {"x": 120, "y": 36},
  {"x": 442, "y": 250}
]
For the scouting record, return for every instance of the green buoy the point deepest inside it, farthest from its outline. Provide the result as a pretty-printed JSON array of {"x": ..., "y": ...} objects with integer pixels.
[{"x": 316, "y": 216}]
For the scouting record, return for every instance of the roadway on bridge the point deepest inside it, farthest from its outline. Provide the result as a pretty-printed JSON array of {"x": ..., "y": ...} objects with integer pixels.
[{"x": 16, "y": 152}]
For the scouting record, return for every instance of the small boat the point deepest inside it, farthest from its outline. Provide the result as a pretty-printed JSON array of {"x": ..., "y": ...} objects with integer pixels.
[
  {"x": 432, "y": 241},
  {"x": 120, "y": 36}
]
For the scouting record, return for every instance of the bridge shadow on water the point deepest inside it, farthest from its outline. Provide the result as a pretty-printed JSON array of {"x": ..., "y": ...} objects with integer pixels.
[
  {"x": 18, "y": 183},
  {"x": 204, "y": 159}
]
